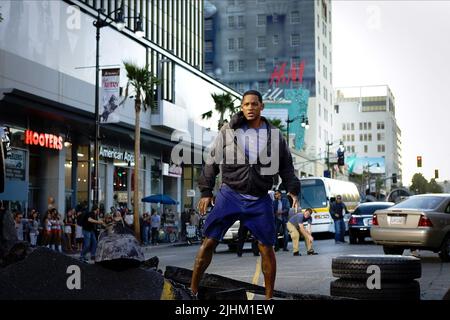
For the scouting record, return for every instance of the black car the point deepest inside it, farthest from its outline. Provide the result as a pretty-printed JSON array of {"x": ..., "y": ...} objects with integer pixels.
[{"x": 361, "y": 220}]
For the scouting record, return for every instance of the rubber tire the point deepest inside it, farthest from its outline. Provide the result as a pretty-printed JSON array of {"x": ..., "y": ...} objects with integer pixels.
[
  {"x": 393, "y": 250},
  {"x": 352, "y": 238},
  {"x": 172, "y": 237},
  {"x": 389, "y": 290},
  {"x": 444, "y": 254},
  {"x": 392, "y": 268}
]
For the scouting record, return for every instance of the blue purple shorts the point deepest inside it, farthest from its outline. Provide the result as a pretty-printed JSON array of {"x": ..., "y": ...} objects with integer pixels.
[{"x": 256, "y": 215}]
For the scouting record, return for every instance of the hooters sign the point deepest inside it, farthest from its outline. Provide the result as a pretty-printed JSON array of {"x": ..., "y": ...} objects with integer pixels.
[
  {"x": 44, "y": 140},
  {"x": 283, "y": 75}
]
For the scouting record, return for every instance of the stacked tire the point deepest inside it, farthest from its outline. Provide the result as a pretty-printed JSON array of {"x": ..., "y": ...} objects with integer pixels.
[{"x": 358, "y": 277}]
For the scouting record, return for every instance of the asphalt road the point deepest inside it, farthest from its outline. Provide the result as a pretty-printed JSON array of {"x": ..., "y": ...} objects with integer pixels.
[{"x": 303, "y": 274}]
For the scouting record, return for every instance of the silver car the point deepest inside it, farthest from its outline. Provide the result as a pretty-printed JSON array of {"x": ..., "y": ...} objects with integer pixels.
[{"x": 419, "y": 222}]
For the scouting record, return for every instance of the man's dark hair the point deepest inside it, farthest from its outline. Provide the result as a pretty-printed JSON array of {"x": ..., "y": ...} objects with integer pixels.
[{"x": 253, "y": 92}]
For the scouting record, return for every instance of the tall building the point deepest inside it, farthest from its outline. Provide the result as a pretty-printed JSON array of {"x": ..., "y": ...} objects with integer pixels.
[
  {"x": 47, "y": 98},
  {"x": 276, "y": 44},
  {"x": 365, "y": 121}
]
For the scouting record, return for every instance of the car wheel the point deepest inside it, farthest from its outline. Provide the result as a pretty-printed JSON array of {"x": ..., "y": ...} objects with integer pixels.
[
  {"x": 172, "y": 237},
  {"x": 391, "y": 268},
  {"x": 352, "y": 237},
  {"x": 393, "y": 250},
  {"x": 232, "y": 247},
  {"x": 388, "y": 290},
  {"x": 444, "y": 254}
]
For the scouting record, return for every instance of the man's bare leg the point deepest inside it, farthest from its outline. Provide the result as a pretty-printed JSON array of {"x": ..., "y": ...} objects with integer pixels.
[
  {"x": 202, "y": 261},
  {"x": 269, "y": 268}
]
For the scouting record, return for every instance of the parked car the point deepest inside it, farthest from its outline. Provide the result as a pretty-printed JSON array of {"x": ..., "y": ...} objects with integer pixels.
[
  {"x": 360, "y": 220},
  {"x": 419, "y": 222}
]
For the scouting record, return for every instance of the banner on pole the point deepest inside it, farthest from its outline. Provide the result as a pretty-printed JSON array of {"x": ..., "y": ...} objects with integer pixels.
[{"x": 110, "y": 95}]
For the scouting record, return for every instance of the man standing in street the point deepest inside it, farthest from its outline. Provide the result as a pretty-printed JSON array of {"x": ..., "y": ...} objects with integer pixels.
[
  {"x": 296, "y": 227},
  {"x": 89, "y": 221},
  {"x": 281, "y": 208},
  {"x": 249, "y": 152},
  {"x": 337, "y": 211}
]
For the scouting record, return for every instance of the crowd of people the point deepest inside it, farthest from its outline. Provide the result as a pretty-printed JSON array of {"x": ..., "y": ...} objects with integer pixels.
[{"x": 80, "y": 228}]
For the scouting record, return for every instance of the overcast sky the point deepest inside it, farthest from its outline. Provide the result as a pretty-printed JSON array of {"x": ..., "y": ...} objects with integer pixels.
[{"x": 406, "y": 45}]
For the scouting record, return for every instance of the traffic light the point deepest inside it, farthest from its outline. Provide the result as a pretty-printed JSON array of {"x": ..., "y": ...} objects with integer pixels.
[
  {"x": 436, "y": 174},
  {"x": 341, "y": 158},
  {"x": 394, "y": 178},
  {"x": 419, "y": 161}
]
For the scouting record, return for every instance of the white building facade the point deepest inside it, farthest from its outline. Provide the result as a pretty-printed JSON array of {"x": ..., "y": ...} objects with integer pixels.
[{"x": 365, "y": 122}]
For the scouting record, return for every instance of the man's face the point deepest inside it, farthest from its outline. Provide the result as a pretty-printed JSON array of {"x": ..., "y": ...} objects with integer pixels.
[
  {"x": 251, "y": 107},
  {"x": 307, "y": 214}
]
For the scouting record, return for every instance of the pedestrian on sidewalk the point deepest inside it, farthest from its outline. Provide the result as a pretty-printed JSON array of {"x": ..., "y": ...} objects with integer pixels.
[
  {"x": 240, "y": 152},
  {"x": 296, "y": 227},
  {"x": 156, "y": 225}
]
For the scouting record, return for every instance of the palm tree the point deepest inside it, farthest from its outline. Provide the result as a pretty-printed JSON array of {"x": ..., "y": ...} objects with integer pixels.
[
  {"x": 143, "y": 82},
  {"x": 277, "y": 124},
  {"x": 223, "y": 102}
]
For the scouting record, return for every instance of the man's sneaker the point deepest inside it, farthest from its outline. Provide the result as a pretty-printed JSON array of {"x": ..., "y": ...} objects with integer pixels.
[
  {"x": 312, "y": 253},
  {"x": 296, "y": 254}
]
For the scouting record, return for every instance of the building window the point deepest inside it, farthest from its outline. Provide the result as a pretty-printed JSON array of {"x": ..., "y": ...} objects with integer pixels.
[
  {"x": 240, "y": 43},
  {"x": 241, "y": 65},
  {"x": 295, "y": 17},
  {"x": 231, "y": 23},
  {"x": 295, "y": 39},
  {"x": 230, "y": 66},
  {"x": 276, "y": 39},
  {"x": 208, "y": 24},
  {"x": 262, "y": 86},
  {"x": 366, "y": 148},
  {"x": 261, "y": 20},
  {"x": 261, "y": 40},
  {"x": 230, "y": 44},
  {"x": 208, "y": 46},
  {"x": 240, "y": 21},
  {"x": 208, "y": 67},
  {"x": 261, "y": 65}
]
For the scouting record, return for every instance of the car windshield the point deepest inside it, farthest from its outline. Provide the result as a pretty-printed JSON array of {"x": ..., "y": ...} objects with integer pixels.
[
  {"x": 420, "y": 203},
  {"x": 313, "y": 194},
  {"x": 370, "y": 209}
]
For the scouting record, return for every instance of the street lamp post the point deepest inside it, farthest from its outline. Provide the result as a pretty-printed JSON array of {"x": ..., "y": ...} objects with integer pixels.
[
  {"x": 305, "y": 124},
  {"x": 98, "y": 24}
]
